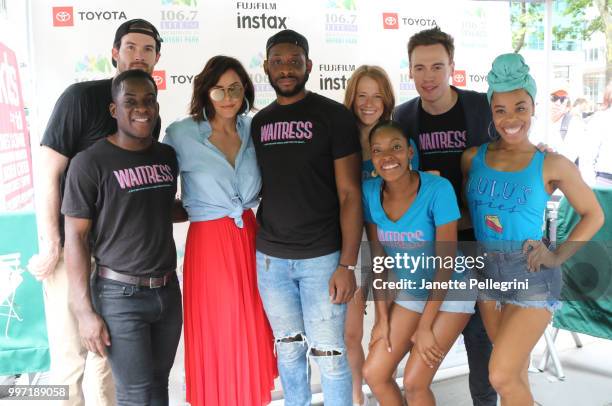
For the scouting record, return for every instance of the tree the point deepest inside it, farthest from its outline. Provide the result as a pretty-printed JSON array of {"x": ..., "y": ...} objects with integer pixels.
[
  {"x": 601, "y": 23},
  {"x": 526, "y": 18},
  {"x": 526, "y": 15}
]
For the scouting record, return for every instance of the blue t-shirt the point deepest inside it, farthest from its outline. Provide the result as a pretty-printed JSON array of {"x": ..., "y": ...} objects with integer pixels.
[
  {"x": 506, "y": 206},
  {"x": 435, "y": 205},
  {"x": 367, "y": 166}
]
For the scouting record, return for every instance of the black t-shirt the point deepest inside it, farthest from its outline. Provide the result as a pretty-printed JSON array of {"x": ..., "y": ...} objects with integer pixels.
[
  {"x": 441, "y": 141},
  {"x": 79, "y": 119},
  {"x": 296, "y": 145},
  {"x": 128, "y": 195}
]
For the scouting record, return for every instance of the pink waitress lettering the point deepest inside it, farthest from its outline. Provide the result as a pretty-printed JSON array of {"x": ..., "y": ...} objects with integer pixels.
[
  {"x": 143, "y": 175},
  {"x": 286, "y": 130},
  {"x": 442, "y": 140}
]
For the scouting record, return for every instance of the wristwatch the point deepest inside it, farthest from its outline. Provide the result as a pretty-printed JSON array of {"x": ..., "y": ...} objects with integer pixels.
[{"x": 349, "y": 267}]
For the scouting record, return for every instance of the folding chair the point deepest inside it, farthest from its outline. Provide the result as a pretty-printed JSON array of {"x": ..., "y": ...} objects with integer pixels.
[{"x": 10, "y": 279}]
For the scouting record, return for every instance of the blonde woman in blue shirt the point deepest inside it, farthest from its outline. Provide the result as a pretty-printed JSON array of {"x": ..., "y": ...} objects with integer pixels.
[{"x": 229, "y": 356}]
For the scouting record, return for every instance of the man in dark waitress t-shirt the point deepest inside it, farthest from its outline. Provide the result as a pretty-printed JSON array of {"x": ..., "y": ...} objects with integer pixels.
[
  {"x": 310, "y": 222},
  {"x": 79, "y": 119},
  {"x": 120, "y": 191}
]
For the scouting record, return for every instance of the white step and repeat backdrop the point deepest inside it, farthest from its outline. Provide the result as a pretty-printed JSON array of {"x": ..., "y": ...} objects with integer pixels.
[{"x": 72, "y": 41}]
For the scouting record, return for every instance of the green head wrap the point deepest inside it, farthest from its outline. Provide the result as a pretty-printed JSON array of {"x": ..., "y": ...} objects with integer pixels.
[{"x": 510, "y": 72}]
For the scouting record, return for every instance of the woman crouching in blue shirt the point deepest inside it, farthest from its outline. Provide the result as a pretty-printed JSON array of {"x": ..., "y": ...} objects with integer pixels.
[
  {"x": 228, "y": 341},
  {"x": 508, "y": 183},
  {"x": 409, "y": 212}
]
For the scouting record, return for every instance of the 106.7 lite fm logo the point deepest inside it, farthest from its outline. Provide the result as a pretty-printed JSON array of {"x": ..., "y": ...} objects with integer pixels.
[
  {"x": 259, "y": 16},
  {"x": 407, "y": 89},
  {"x": 92, "y": 67},
  {"x": 264, "y": 92},
  {"x": 179, "y": 22},
  {"x": 341, "y": 22}
]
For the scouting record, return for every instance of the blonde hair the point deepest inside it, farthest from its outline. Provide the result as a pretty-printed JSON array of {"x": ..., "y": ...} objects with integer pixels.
[{"x": 380, "y": 76}]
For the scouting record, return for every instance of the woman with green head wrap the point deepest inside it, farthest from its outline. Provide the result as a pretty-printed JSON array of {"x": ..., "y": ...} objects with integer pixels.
[{"x": 507, "y": 185}]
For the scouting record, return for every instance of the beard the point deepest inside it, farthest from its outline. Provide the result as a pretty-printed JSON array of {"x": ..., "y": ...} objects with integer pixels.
[{"x": 299, "y": 86}]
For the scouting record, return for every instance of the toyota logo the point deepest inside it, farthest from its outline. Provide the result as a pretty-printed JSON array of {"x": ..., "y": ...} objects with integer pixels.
[
  {"x": 459, "y": 77},
  {"x": 63, "y": 16},
  {"x": 158, "y": 80},
  {"x": 390, "y": 20}
]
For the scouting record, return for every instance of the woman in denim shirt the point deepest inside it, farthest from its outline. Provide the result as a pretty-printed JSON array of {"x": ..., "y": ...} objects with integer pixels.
[{"x": 229, "y": 356}]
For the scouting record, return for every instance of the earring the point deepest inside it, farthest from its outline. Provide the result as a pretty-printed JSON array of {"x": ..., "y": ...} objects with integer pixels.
[
  {"x": 374, "y": 173},
  {"x": 491, "y": 137},
  {"x": 247, "y": 109},
  {"x": 204, "y": 114}
]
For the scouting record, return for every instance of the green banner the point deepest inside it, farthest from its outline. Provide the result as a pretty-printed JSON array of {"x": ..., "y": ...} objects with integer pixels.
[
  {"x": 23, "y": 333},
  {"x": 587, "y": 276}
]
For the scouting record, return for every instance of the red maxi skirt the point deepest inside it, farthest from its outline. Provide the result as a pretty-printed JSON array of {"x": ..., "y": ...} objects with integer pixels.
[{"x": 229, "y": 346}]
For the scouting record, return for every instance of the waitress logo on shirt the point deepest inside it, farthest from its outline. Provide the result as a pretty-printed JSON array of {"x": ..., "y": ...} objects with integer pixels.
[
  {"x": 286, "y": 132},
  {"x": 144, "y": 177},
  {"x": 442, "y": 141},
  {"x": 401, "y": 240}
]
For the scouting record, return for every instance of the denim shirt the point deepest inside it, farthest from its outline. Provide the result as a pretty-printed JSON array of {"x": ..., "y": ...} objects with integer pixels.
[{"x": 210, "y": 187}]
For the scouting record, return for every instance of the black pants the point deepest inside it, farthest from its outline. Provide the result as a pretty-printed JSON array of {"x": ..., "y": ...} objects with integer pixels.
[
  {"x": 478, "y": 347},
  {"x": 145, "y": 328}
]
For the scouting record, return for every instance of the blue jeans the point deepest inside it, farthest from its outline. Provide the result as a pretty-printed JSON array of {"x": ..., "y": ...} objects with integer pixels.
[
  {"x": 145, "y": 327},
  {"x": 295, "y": 295}
]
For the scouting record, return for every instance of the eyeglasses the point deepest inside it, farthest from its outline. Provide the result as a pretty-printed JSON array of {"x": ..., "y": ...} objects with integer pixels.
[
  {"x": 554, "y": 98},
  {"x": 234, "y": 92}
]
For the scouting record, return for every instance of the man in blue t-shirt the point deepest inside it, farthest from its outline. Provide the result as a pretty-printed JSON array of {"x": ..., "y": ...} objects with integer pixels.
[{"x": 443, "y": 122}]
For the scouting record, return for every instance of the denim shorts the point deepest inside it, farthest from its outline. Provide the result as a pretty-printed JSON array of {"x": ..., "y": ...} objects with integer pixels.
[
  {"x": 451, "y": 306},
  {"x": 540, "y": 289}
]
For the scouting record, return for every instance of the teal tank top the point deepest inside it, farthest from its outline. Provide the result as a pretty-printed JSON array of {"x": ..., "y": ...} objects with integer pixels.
[{"x": 506, "y": 206}]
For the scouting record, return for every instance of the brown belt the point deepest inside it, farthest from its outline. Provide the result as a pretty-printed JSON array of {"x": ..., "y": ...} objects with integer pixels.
[{"x": 149, "y": 282}]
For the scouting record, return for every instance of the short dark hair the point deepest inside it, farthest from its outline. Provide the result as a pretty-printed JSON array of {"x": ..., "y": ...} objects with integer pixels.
[
  {"x": 432, "y": 36},
  {"x": 287, "y": 37},
  {"x": 129, "y": 75},
  {"x": 140, "y": 26},
  {"x": 384, "y": 124},
  {"x": 210, "y": 75}
]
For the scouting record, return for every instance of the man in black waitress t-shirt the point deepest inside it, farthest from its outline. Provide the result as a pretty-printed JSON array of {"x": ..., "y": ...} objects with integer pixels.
[
  {"x": 310, "y": 221},
  {"x": 79, "y": 119},
  {"x": 120, "y": 191}
]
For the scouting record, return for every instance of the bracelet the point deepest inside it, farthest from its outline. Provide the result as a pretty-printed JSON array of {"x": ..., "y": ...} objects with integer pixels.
[{"x": 349, "y": 267}]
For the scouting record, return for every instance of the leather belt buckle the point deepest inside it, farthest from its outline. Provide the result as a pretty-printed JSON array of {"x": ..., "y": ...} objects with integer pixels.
[{"x": 156, "y": 283}]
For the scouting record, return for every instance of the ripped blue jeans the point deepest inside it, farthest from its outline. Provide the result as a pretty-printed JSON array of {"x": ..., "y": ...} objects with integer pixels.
[{"x": 306, "y": 324}]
